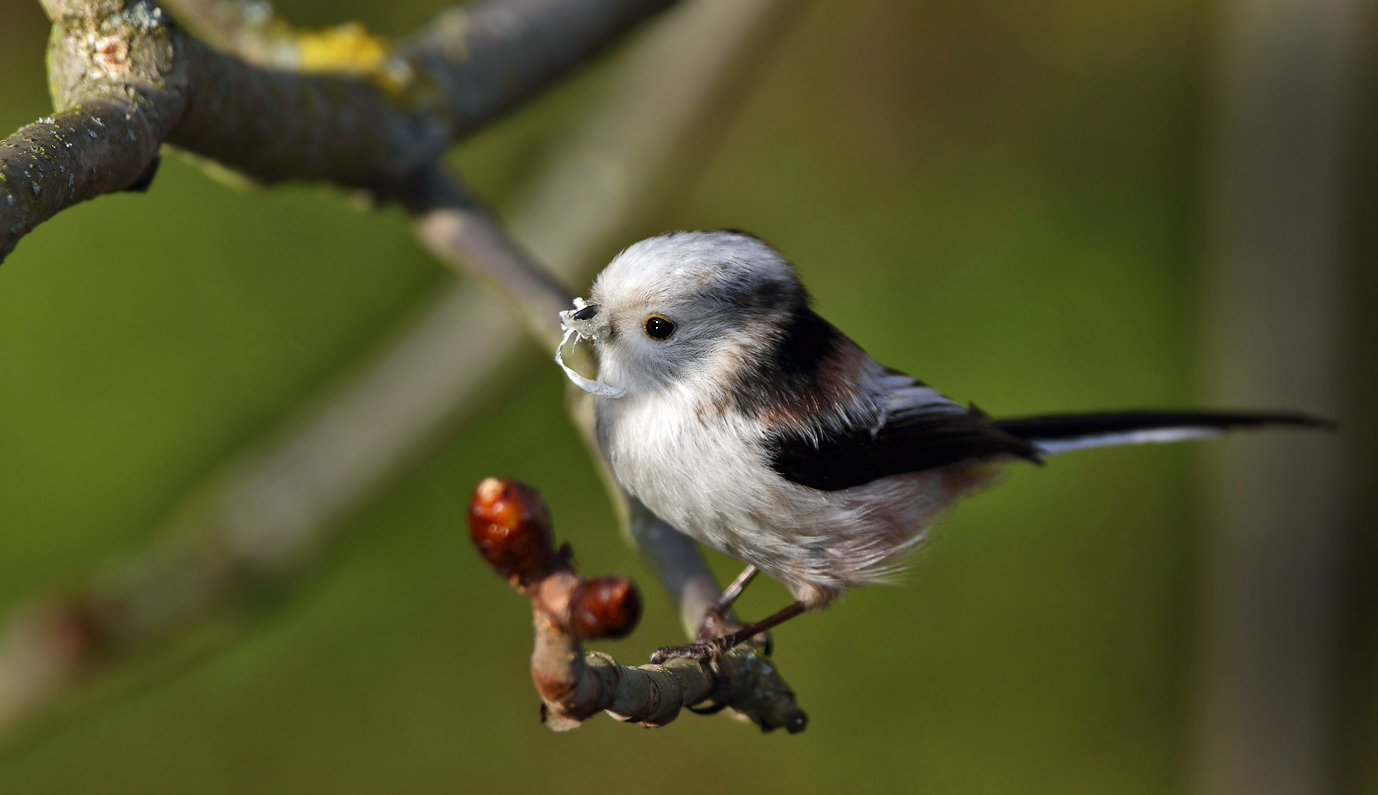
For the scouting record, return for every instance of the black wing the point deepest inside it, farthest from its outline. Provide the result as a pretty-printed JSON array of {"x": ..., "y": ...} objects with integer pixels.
[{"x": 910, "y": 440}]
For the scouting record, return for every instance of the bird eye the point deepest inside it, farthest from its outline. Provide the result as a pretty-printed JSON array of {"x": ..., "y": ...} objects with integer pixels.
[{"x": 659, "y": 327}]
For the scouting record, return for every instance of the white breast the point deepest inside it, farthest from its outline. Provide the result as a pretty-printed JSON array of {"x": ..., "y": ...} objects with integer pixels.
[{"x": 694, "y": 474}]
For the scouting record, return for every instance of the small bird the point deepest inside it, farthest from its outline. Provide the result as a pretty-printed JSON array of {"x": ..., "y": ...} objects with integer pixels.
[{"x": 736, "y": 413}]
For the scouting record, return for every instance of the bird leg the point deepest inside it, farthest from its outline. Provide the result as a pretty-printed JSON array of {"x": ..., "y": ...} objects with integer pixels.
[
  {"x": 712, "y": 647},
  {"x": 715, "y": 621}
]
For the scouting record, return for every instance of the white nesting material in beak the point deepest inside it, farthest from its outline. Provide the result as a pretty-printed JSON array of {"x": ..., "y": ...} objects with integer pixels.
[{"x": 575, "y": 326}]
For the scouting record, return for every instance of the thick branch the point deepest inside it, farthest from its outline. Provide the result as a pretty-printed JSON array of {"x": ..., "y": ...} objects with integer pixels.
[
  {"x": 101, "y": 147},
  {"x": 356, "y": 117},
  {"x": 520, "y": 45}
]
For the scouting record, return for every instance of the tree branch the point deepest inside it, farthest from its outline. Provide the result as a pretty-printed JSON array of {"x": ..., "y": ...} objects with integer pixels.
[
  {"x": 463, "y": 232},
  {"x": 510, "y": 525},
  {"x": 126, "y": 79},
  {"x": 102, "y": 147}
]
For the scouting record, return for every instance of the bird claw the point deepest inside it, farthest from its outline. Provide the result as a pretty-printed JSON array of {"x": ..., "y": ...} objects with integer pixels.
[{"x": 704, "y": 650}]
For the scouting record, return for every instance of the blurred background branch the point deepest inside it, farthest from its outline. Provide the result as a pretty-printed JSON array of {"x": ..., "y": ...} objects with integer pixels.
[
  {"x": 270, "y": 510},
  {"x": 1274, "y": 695}
]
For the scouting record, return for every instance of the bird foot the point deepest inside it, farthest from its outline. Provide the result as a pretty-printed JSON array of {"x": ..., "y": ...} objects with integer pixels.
[
  {"x": 712, "y": 648},
  {"x": 705, "y": 650}
]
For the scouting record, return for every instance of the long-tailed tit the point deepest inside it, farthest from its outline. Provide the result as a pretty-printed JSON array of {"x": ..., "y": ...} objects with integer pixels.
[{"x": 737, "y": 414}]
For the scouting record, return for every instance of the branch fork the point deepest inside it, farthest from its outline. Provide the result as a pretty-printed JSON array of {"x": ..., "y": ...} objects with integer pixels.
[{"x": 510, "y": 525}]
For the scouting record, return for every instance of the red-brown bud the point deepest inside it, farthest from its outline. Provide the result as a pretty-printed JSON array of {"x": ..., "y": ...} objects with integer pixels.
[
  {"x": 604, "y": 607},
  {"x": 510, "y": 525}
]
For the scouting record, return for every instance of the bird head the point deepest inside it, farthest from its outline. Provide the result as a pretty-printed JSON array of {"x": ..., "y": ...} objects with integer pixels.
[{"x": 685, "y": 308}]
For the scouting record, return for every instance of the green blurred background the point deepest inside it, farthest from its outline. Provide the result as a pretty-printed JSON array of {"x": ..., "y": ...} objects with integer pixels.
[{"x": 1002, "y": 198}]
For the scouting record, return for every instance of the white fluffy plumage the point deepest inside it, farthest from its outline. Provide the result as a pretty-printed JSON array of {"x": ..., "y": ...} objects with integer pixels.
[{"x": 680, "y": 443}]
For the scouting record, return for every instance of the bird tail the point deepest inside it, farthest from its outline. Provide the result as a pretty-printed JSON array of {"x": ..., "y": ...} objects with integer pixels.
[{"x": 1061, "y": 433}]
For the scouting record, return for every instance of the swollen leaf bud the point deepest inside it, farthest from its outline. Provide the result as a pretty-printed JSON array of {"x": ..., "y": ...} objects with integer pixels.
[
  {"x": 604, "y": 607},
  {"x": 510, "y": 525}
]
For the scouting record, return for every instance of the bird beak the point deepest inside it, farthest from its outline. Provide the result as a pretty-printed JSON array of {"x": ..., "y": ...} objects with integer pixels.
[
  {"x": 579, "y": 321},
  {"x": 580, "y": 318}
]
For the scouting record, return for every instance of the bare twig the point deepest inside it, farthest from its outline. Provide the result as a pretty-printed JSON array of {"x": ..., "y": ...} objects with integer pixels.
[
  {"x": 276, "y": 505},
  {"x": 460, "y": 230},
  {"x": 125, "y": 80},
  {"x": 510, "y": 524}
]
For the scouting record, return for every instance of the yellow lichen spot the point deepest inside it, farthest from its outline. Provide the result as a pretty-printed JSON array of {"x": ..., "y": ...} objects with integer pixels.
[{"x": 351, "y": 49}]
